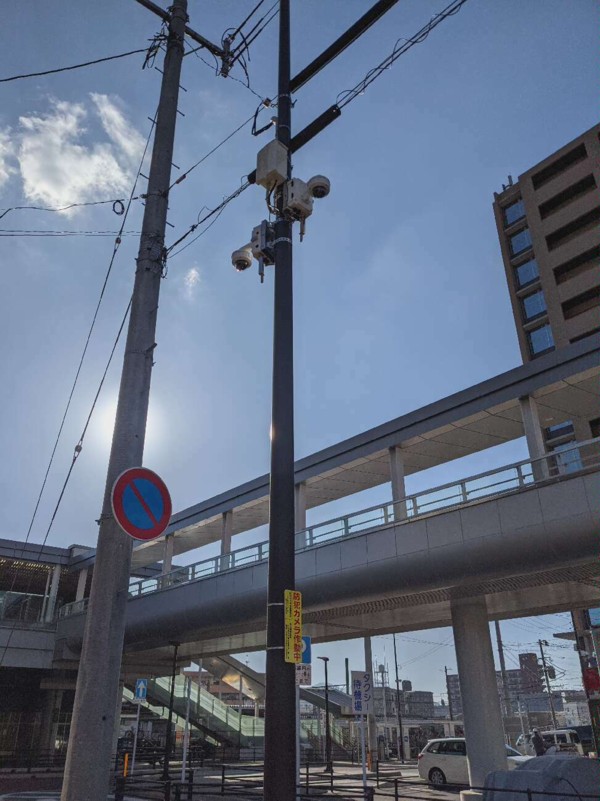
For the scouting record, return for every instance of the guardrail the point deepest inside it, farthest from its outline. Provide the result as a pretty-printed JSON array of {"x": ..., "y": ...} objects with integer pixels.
[{"x": 554, "y": 466}]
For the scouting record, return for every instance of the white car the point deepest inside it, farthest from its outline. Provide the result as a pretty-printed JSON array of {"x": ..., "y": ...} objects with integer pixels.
[{"x": 444, "y": 761}]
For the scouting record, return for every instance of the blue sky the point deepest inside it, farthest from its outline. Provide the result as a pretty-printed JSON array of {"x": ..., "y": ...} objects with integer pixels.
[{"x": 400, "y": 296}]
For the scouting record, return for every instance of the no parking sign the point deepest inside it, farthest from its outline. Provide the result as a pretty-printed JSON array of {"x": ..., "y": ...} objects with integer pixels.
[{"x": 141, "y": 503}]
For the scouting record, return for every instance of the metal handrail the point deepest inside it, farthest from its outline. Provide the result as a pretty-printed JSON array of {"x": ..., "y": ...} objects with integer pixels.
[{"x": 411, "y": 507}]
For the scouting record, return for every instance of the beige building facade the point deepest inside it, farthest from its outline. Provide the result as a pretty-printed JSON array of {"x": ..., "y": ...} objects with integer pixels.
[{"x": 549, "y": 230}]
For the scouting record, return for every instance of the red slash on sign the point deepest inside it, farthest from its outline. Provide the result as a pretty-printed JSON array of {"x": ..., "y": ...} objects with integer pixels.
[{"x": 141, "y": 503}]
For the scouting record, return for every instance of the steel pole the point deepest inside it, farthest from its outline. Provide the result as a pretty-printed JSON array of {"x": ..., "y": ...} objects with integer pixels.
[
  {"x": 328, "y": 760},
  {"x": 552, "y": 712},
  {"x": 400, "y": 737},
  {"x": 135, "y": 737},
  {"x": 169, "y": 737},
  {"x": 87, "y": 768},
  {"x": 280, "y": 702}
]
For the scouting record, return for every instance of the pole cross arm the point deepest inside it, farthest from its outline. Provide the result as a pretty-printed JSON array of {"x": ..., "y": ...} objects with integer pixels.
[{"x": 164, "y": 15}]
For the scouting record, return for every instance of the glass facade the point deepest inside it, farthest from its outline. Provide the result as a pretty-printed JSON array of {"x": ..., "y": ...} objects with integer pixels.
[
  {"x": 527, "y": 272},
  {"x": 520, "y": 242},
  {"x": 514, "y": 212},
  {"x": 534, "y": 305},
  {"x": 570, "y": 461},
  {"x": 559, "y": 430},
  {"x": 540, "y": 339}
]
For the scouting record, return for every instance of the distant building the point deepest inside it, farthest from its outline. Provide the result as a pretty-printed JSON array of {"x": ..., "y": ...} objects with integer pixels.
[
  {"x": 577, "y": 713},
  {"x": 523, "y": 681}
]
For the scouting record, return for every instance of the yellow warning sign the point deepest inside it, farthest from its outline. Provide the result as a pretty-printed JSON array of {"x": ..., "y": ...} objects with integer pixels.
[{"x": 293, "y": 626}]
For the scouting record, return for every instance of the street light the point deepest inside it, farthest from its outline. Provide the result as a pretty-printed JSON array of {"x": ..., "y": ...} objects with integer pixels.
[{"x": 329, "y": 763}]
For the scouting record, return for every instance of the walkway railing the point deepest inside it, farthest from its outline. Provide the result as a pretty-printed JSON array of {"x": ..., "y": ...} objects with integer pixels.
[{"x": 559, "y": 464}]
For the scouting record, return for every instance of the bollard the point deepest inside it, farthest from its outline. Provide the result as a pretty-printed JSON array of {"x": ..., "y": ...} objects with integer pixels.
[
  {"x": 167, "y": 796},
  {"x": 369, "y": 794},
  {"x": 307, "y": 778},
  {"x": 120, "y": 788},
  {"x": 396, "y": 796},
  {"x": 377, "y": 774}
]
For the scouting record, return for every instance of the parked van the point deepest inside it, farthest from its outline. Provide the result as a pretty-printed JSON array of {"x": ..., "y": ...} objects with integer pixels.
[{"x": 555, "y": 740}]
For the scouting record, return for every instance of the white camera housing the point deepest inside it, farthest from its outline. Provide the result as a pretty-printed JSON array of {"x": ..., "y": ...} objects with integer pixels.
[
  {"x": 242, "y": 258},
  {"x": 297, "y": 199},
  {"x": 319, "y": 186}
]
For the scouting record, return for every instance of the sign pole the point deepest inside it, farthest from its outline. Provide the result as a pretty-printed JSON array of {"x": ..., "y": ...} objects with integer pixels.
[
  {"x": 135, "y": 736},
  {"x": 186, "y": 731},
  {"x": 298, "y": 737},
  {"x": 363, "y": 752}
]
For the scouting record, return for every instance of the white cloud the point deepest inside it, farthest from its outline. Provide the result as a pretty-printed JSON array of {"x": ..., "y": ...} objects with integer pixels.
[
  {"x": 58, "y": 169},
  {"x": 6, "y": 153},
  {"x": 191, "y": 282},
  {"x": 122, "y": 133}
]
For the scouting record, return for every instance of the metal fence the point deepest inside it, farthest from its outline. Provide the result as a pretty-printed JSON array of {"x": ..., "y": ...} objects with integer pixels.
[{"x": 514, "y": 477}]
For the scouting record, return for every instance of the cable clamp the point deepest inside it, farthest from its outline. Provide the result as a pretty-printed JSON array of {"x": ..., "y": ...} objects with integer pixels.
[{"x": 282, "y": 239}]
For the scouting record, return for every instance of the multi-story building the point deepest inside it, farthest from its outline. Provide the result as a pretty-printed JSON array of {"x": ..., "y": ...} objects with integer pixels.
[
  {"x": 549, "y": 228},
  {"x": 526, "y": 680}
]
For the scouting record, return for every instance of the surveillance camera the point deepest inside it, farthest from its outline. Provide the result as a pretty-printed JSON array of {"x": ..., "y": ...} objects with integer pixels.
[
  {"x": 242, "y": 258},
  {"x": 319, "y": 186}
]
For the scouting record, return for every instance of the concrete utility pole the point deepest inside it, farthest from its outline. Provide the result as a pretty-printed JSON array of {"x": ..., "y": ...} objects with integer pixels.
[
  {"x": 280, "y": 702},
  {"x": 507, "y": 701},
  {"x": 398, "y": 709},
  {"x": 450, "y": 710},
  {"x": 541, "y": 643},
  {"x": 371, "y": 719},
  {"x": 92, "y": 728}
]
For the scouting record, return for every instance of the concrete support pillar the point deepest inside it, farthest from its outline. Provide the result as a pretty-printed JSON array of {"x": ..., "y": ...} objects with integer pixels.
[
  {"x": 371, "y": 721},
  {"x": 397, "y": 481},
  {"x": 226, "y": 532},
  {"x": 53, "y": 593},
  {"x": 256, "y": 709},
  {"x": 167, "y": 564},
  {"x": 81, "y": 582},
  {"x": 479, "y": 690},
  {"x": 534, "y": 435},
  {"x": 300, "y": 495}
]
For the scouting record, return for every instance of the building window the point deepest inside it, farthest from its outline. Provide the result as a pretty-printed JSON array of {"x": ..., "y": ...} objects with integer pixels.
[
  {"x": 568, "y": 195},
  {"x": 588, "y": 260},
  {"x": 559, "y": 430},
  {"x": 534, "y": 305},
  {"x": 586, "y": 222},
  {"x": 527, "y": 273},
  {"x": 558, "y": 166},
  {"x": 581, "y": 303},
  {"x": 514, "y": 212},
  {"x": 570, "y": 460},
  {"x": 595, "y": 427},
  {"x": 540, "y": 340},
  {"x": 520, "y": 242}
]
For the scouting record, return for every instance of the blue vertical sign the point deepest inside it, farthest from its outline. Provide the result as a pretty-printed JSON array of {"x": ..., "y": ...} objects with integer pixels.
[
  {"x": 141, "y": 689},
  {"x": 306, "y": 650}
]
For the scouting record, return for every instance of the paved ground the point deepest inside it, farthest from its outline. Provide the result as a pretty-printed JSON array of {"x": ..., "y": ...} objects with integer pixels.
[{"x": 47, "y": 788}]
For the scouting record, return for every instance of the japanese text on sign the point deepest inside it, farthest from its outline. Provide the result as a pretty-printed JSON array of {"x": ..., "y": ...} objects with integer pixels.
[
  {"x": 293, "y": 626},
  {"x": 362, "y": 692}
]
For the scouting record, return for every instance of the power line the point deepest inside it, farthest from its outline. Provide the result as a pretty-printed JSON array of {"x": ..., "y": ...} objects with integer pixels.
[
  {"x": 253, "y": 34},
  {"x": 74, "y": 66},
  {"x": 349, "y": 95},
  {"x": 76, "y": 452},
  {"x": 217, "y": 210},
  {"x": 210, "y": 152},
  {"x": 41, "y": 232},
  {"x": 89, "y": 334},
  {"x": 117, "y": 204}
]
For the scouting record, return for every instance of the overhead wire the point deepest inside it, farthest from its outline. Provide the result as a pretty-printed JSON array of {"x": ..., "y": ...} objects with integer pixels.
[
  {"x": 77, "y": 451},
  {"x": 117, "y": 203},
  {"x": 348, "y": 95},
  {"x": 74, "y": 66},
  {"x": 217, "y": 210},
  {"x": 41, "y": 233},
  {"x": 91, "y": 329}
]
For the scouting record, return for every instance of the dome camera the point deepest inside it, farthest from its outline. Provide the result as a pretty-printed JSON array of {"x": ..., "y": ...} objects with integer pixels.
[
  {"x": 319, "y": 186},
  {"x": 242, "y": 258}
]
